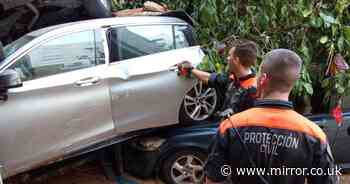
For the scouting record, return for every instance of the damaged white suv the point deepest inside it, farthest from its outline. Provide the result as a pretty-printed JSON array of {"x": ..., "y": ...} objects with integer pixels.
[{"x": 66, "y": 88}]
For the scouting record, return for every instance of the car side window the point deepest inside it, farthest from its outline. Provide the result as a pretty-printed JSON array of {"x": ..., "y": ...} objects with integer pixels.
[
  {"x": 63, "y": 54},
  {"x": 184, "y": 36},
  {"x": 134, "y": 41}
]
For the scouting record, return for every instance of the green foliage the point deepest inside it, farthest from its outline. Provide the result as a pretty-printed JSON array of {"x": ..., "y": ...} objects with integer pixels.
[
  {"x": 316, "y": 30},
  {"x": 213, "y": 62},
  {"x": 125, "y": 4},
  {"x": 339, "y": 84}
]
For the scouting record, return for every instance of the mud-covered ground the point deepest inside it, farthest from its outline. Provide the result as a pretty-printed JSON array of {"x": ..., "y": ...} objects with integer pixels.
[{"x": 93, "y": 174}]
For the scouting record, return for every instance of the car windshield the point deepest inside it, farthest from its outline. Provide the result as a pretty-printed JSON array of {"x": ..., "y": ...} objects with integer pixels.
[{"x": 14, "y": 46}]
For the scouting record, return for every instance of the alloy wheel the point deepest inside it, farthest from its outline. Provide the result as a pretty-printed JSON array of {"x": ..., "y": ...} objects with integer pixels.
[
  {"x": 200, "y": 102},
  {"x": 187, "y": 169}
]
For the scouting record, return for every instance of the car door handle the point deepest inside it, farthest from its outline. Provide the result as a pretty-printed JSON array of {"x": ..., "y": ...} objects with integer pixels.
[
  {"x": 87, "y": 81},
  {"x": 174, "y": 69}
]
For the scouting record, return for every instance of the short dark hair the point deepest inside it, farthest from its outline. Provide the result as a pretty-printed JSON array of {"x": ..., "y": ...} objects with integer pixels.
[
  {"x": 283, "y": 67},
  {"x": 247, "y": 52}
]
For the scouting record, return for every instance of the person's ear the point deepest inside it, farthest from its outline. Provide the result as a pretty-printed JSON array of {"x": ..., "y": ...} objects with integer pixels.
[
  {"x": 263, "y": 79},
  {"x": 261, "y": 84}
]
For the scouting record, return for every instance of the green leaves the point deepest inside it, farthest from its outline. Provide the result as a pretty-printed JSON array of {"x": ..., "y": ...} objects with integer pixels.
[
  {"x": 341, "y": 5},
  {"x": 307, "y": 13},
  {"x": 205, "y": 65},
  {"x": 308, "y": 88},
  {"x": 213, "y": 62},
  {"x": 304, "y": 49},
  {"x": 324, "y": 39},
  {"x": 346, "y": 31},
  {"x": 316, "y": 22},
  {"x": 327, "y": 19},
  {"x": 264, "y": 21},
  {"x": 340, "y": 43},
  {"x": 208, "y": 13},
  {"x": 307, "y": 9},
  {"x": 325, "y": 83},
  {"x": 337, "y": 85},
  {"x": 340, "y": 90}
]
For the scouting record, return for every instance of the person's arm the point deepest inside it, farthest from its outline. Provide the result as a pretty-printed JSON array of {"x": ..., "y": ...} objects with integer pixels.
[
  {"x": 201, "y": 75},
  {"x": 213, "y": 80}
]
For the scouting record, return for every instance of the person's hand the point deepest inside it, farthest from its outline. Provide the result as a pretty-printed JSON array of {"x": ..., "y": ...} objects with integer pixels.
[{"x": 185, "y": 68}]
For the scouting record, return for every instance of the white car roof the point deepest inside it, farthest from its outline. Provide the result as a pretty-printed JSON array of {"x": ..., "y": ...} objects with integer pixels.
[{"x": 114, "y": 21}]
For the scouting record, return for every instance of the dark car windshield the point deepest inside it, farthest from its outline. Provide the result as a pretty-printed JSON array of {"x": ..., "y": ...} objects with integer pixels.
[{"x": 14, "y": 46}]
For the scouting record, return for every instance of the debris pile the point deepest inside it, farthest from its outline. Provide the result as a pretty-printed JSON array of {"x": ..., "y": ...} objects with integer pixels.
[{"x": 149, "y": 8}]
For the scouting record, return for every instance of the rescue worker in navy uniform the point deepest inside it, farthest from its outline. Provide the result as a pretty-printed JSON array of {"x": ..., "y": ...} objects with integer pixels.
[
  {"x": 239, "y": 85},
  {"x": 271, "y": 134}
]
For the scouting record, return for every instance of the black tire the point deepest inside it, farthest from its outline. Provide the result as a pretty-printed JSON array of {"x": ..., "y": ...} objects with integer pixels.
[{"x": 166, "y": 168}]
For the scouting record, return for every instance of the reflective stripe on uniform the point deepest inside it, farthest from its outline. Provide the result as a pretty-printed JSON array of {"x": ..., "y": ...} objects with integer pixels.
[{"x": 274, "y": 118}]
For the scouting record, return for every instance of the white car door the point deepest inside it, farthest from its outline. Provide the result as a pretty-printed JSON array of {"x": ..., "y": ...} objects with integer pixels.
[
  {"x": 145, "y": 91},
  {"x": 63, "y": 105}
]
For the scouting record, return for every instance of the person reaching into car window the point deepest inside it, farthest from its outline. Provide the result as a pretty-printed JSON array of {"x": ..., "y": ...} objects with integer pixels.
[
  {"x": 271, "y": 143},
  {"x": 238, "y": 85}
]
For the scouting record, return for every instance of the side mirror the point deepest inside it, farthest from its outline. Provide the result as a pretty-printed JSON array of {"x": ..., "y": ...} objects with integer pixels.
[{"x": 9, "y": 79}]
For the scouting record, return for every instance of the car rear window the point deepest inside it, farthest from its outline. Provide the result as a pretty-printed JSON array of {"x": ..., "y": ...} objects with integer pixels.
[
  {"x": 184, "y": 36},
  {"x": 135, "y": 41},
  {"x": 130, "y": 42}
]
